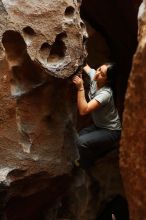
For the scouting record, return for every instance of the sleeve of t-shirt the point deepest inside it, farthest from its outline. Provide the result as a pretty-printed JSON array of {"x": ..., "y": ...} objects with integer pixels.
[
  {"x": 103, "y": 97},
  {"x": 91, "y": 73}
]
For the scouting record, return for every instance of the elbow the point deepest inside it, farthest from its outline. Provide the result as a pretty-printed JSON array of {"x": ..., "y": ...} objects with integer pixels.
[{"x": 83, "y": 112}]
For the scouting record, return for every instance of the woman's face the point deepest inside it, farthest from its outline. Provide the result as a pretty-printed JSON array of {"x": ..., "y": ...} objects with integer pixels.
[{"x": 101, "y": 74}]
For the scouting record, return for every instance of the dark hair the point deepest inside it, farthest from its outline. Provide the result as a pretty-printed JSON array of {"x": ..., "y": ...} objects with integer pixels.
[
  {"x": 111, "y": 73},
  {"x": 111, "y": 78}
]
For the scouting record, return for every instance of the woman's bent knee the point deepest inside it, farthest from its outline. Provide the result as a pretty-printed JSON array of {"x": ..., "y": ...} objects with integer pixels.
[{"x": 81, "y": 142}]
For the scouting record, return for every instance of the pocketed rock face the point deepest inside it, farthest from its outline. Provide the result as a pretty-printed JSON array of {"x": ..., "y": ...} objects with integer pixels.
[
  {"x": 42, "y": 45},
  {"x": 53, "y": 33},
  {"x": 133, "y": 145}
]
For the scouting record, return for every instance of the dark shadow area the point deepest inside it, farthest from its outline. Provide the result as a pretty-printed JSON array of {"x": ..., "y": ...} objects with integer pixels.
[
  {"x": 58, "y": 49},
  {"x": 45, "y": 48},
  {"x": 33, "y": 205},
  {"x": 25, "y": 74},
  {"x": 116, "y": 23},
  {"x": 14, "y": 45},
  {"x": 69, "y": 12},
  {"x": 118, "y": 207},
  {"x": 28, "y": 31}
]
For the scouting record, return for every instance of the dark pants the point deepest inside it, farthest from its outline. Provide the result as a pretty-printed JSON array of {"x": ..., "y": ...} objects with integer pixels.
[{"x": 94, "y": 143}]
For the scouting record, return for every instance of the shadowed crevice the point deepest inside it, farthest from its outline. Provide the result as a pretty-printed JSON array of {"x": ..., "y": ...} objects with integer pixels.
[
  {"x": 58, "y": 49},
  {"x": 25, "y": 74},
  {"x": 69, "y": 12}
]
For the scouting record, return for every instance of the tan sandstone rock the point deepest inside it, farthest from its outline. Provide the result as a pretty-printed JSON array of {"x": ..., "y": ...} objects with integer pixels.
[
  {"x": 42, "y": 43},
  {"x": 133, "y": 144}
]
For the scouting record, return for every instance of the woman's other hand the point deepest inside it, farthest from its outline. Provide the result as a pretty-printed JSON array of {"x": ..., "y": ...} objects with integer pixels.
[{"x": 78, "y": 81}]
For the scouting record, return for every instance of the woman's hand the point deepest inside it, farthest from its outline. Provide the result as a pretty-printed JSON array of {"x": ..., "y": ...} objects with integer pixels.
[{"x": 78, "y": 81}]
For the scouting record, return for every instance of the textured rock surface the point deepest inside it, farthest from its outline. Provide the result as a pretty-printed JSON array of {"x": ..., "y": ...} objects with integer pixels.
[
  {"x": 53, "y": 33},
  {"x": 133, "y": 145},
  {"x": 93, "y": 189},
  {"x": 42, "y": 45}
]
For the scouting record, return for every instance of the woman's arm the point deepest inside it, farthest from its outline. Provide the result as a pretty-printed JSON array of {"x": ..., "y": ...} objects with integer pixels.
[
  {"x": 87, "y": 68},
  {"x": 90, "y": 71},
  {"x": 84, "y": 106}
]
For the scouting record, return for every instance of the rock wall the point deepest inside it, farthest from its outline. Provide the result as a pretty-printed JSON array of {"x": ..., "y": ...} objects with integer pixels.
[
  {"x": 133, "y": 144},
  {"x": 42, "y": 44},
  {"x": 92, "y": 190}
]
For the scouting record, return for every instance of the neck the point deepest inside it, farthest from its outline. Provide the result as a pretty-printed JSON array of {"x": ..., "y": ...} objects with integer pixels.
[{"x": 100, "y": 85}]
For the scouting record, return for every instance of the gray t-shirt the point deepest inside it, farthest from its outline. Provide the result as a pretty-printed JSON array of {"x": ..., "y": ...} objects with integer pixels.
[{"x": 107, "y": 115}]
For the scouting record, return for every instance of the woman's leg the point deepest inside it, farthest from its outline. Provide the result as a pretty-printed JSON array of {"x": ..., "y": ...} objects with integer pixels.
[
  {"x": 95, "y": 143},
  {"x": 84, "y": 131},
  {"x": 87, "y": 130}
]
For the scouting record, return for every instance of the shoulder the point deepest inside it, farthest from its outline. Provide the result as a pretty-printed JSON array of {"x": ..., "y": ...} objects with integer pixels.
[
  {"x": 106, "y": 90},
  {"x": 104, "y": 95}
]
